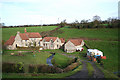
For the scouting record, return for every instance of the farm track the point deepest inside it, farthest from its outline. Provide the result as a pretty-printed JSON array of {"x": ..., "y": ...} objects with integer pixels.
[{"x": 83, "y": 74}]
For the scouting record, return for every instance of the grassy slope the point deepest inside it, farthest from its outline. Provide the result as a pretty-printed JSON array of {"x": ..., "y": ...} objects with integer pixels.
[
  {"x": 61, "y": 60},
  {"x": 110, "y": 49},
  {"x": 103, "y": 33},
  {"x": 7, "y": 32}
]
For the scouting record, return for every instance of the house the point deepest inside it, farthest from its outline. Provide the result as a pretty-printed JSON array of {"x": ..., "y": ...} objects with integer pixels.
[
  {"x": 73, "y": 45},
  {"x": 24, "y": 40},
  {"x": 52, "y": 42},
  {"x": 10, "y": 44}
]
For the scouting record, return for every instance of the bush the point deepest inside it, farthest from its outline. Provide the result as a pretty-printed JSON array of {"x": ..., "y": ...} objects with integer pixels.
[
  {"x": 8, "y": 67},
  {"x": 71, "y": 67},
  {"x": 44, "y": 69},
  {"x": 72, "y": 61},
  {"x": 32, "y": 69},
  {"x": 19, "y": 67}
]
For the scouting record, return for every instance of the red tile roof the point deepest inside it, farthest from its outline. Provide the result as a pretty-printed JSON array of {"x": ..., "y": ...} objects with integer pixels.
[
  {"x": 76, "y": 41},
  {"x": 62, "y": 40},
  {"x": 34, "y": 35},
  {"x": 10, "y": 41},
  {"x": 26, "y": 36},
  {"x": 49, "y": 38}
]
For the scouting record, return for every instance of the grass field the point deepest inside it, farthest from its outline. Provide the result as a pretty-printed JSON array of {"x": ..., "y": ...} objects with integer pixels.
[
  {"x": 7, "y": 32},
  {"x": 103, "y": 33}
]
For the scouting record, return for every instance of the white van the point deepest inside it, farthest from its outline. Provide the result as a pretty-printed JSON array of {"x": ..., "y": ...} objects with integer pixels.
[{"x": 92, "y": 52}]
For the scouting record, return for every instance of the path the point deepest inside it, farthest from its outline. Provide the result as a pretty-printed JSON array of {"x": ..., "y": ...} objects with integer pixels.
[
  {"x": 82, "y": 74},
  {"x": 97, "y": 72}
]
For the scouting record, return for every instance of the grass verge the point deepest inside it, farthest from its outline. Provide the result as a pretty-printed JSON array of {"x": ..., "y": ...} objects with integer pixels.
[{"x": 90, "y": 69}]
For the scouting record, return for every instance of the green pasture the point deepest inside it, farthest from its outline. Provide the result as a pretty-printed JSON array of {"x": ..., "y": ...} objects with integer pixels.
[{"x": 102, "y": 33}]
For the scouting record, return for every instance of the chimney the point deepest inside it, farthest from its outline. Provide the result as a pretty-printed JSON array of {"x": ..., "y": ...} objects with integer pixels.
[
  {"x": 25, "y": 30},
  {"x": 18, "y": 32}
]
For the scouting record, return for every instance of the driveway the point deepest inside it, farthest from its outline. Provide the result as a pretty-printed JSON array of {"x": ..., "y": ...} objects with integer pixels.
[{"x": 83, "y": 74}]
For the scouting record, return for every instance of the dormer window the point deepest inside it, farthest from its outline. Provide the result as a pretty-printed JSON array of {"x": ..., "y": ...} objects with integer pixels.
[{"x": 51, "y": 41}]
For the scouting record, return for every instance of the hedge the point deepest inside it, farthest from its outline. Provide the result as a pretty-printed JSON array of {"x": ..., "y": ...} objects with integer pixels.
[
  {"x": 12, "y": 67},
  {"x": 8, "y": 67},
  {"x": 44, "y": 69},
  {"x": 71, "y": 67}
]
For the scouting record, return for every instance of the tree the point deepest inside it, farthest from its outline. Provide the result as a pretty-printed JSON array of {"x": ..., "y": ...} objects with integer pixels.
[
  {"x": 84, "y": 23},
  {"x": 96, "y": 21},
  {"x": 63, "y": 23}
]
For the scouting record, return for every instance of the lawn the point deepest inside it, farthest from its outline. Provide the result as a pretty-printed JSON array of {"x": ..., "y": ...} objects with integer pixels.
[
  {"x": 7, "y": 32},
  {"x": 28, "y": 58},
  {"x": 61, "y": 60}
]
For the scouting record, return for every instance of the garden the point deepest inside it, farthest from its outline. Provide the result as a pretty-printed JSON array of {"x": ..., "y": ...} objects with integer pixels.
[{"x": 34, "y": 62}]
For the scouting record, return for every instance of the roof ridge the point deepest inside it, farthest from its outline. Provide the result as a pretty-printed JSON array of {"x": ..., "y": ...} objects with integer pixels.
[{"x": 27, "y": 35}]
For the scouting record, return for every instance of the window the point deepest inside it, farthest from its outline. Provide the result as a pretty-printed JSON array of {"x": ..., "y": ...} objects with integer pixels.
[
  {"x": 51, "y": 45},
  {"x": 57, "y": 46},
  {"x": 44, "y": 44},
  {"x": 51, "y": 41},
  {"x": 25, "y": 40},
  {"x": 39, "y": 43},
  {"x": 26, "y": 44}
]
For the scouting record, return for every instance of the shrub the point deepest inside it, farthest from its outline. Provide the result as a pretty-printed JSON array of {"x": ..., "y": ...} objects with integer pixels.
[
  {"x": 71, "y": 67},
  {"x": 32, "y": 69},
  {"x": 8, "y": 67},
  {"x": 44, "y": 69},
  {"x": 53, "y": 69},
  {"x": 19, "y": 67},
  {"x": 73, "y": 60}
]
